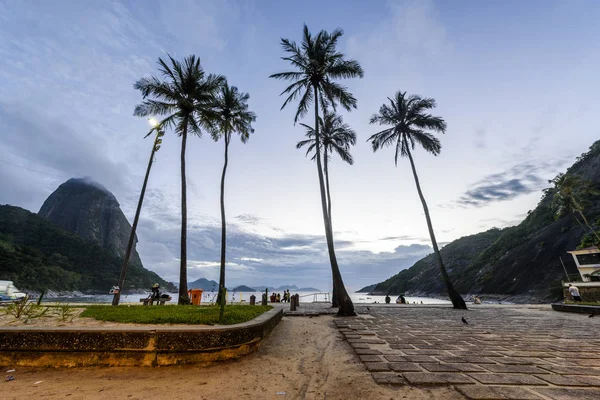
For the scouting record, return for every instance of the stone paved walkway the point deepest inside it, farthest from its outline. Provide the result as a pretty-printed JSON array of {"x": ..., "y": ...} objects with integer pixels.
[{"x": 503, "y": 353}]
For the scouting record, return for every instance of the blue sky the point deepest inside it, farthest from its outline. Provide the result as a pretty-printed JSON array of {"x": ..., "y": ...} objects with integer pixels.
[{"x": 516, "y": 82}]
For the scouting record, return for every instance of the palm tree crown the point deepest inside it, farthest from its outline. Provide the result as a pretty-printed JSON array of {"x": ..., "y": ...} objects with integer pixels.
[
  {"x": 336, "y": 136},
  {"x": 184, "y": 95},
  {"x": 572, "y": 194},
  {"x": 318, "y": 63},
  {"x": 409, "y": 124},
  {"x": 232, "y": 113}
]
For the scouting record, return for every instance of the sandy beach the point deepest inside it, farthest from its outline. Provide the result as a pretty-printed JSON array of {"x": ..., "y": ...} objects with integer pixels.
[{"x": 304, "y": 358}]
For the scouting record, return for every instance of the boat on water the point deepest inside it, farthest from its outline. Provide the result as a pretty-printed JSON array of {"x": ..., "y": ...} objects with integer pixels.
[{"x": 8, "y": 291}]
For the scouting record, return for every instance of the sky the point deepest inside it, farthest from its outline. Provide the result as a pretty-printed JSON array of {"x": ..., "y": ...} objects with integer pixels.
[{"x": 515, "y": 81}]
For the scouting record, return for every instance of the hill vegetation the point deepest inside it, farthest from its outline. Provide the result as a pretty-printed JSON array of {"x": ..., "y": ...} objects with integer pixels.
[
  {"x": 522, "y": 260},
  {"x": 37, "y": 255}
]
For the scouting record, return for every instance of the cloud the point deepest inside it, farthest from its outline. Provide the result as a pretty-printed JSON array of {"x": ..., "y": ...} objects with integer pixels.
[
  {"x": 256, "y": 259},
  {"x": 518, "y": 180}
]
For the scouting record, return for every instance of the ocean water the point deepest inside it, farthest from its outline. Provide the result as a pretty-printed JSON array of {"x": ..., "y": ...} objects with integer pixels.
[{"x": 244, "y": 297}]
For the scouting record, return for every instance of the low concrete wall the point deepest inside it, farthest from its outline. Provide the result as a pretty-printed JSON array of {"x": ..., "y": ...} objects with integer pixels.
[
  {"x": 588, "y": 293},
  {"x": 576, "y": 308},
  {"x": 134, "y": 346}
]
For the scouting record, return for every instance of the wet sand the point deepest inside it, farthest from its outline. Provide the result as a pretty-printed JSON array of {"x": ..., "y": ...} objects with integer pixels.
[{"x": 307, "y": 358}]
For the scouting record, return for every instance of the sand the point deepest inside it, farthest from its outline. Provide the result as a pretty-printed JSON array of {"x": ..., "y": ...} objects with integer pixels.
[{"x": 305, "y": 358}]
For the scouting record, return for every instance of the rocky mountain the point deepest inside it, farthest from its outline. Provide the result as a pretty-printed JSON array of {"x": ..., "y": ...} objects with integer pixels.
[
  {"x": 244, "y": 288},
  {"x": 38, "y": 255},
  {"x": 519, "y": 262},
  {"x": 204, "y": 284},
  {"x": 90, "y": 211}
]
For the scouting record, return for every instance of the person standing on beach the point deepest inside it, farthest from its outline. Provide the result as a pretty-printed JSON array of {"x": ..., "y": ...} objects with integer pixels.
[{"x": 574, "y": 292}]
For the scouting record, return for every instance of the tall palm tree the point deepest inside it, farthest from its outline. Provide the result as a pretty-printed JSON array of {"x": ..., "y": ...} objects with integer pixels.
[
  {"x": 136, "y": 218},
  {"x": 233, "y": 116},
  {"x": 318, "y": 64},
  {"x": 336, "y": 136},
  {"x": 571, "y": 195},
  {"x": 184, "y": 97},
  {"x": 410, "y": 123}
]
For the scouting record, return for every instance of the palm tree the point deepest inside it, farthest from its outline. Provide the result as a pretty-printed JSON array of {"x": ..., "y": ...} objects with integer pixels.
[
  {"x": 136, "y": 218},
  {"x": 336, "y": 136},
  {"x": 409, "y": 123},
  {"x": 231, "y": 107},
  {"x": 184, "y": 97},
  {"x": 571, "y": 195},
  {"x": 318, "y": 64}
]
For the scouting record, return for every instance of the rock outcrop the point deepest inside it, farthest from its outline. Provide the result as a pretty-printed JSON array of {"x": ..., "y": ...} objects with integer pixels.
[{"x": 92, "y": 212}]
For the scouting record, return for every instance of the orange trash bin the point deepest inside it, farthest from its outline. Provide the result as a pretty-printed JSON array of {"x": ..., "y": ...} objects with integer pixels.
[{"x": 195, "y": 295}]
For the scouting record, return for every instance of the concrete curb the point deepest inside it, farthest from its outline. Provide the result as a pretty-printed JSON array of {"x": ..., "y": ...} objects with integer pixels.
[
  {"x": 134, "y": 346},
  {"x": 576, "y": 308}
]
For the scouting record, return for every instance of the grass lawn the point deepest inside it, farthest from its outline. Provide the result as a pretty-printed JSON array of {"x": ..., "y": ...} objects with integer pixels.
[{"x": 193, "y": 315}]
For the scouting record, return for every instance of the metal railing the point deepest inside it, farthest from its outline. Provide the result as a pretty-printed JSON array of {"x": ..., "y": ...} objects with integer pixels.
[{"x": 325, "y": 295}]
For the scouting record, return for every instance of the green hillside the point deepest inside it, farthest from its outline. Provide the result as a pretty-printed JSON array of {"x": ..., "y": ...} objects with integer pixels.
[
  {"x": 37, "y": 255},
  {"x": 522, "y": 260}
]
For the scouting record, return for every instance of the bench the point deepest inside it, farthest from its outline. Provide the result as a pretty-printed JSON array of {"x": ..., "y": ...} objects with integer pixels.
[{"x": 160, "y": 301}]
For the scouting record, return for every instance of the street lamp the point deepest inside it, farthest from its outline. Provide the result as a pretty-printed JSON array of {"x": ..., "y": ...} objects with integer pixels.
[{"x": 156, "y": 126}]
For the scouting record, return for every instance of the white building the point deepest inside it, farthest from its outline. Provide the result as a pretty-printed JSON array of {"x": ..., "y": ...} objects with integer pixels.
[{"x": 588, "y": 262}]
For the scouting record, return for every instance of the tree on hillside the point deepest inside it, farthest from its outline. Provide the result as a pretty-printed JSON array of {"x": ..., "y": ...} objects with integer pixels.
[
  {"x": 317, "y": 64},
  {"x": 410, "y": 124},
  {"x": 184, "y": 97},
  {"x": 233, "y": 116},
  {"x": 336, "y": 136},
  {"x": 572, "y": 194}
]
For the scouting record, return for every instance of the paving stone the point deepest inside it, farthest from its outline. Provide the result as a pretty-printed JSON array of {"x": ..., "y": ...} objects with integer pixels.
[
  {"x": 571, "y": 380},
  {"x": 515, "y": 369},
  {"x": 360, "y": 345},
  {"x": 377, "y": 366},
  {"x": 370, "y": 341},
  {"x": 569, "y": 394},
  {"x": 520, "y": 360},
  {"x": 388, "y": 378},
  {"x": 371, "y": 358},
  {"x": 572, "y": 370},
  {"x": 401, "y": 346},
  {"x": 395, "y": 358},
  {"x": 421, "y": 359},
  {"x": 364, "y": 352},
  {"x": 404, "y": 367},
  {"x": 507, "y": 379},
  {"x": 478, "y": 392},
  {"x": 436, "y": 378},
  {"x": 439, "y": 367},
  {"x": 422, "y": 352},
  {"x": 467, "y": 359}
]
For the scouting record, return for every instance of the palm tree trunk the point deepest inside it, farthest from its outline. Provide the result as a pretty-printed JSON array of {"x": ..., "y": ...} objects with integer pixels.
[
  {"x": 183, "y": 295},
  {"x": 334, "y": 300},
  {"x": 220, "y": 298},
  {"x": 117, "y": 297},
  {"x": 457, "y": 300},
  {"x": 346, "y": 307}
]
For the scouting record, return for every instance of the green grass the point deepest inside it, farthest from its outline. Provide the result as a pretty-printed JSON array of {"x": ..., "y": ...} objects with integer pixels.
[{"x": 192, "y": 315}]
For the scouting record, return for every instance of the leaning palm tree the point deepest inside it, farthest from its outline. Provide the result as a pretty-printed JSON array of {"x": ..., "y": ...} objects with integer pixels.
[
  {"x": 184, "y": 97},
  {"x": 233, "y": 116},
  {"x": 336, "y": 136},
  {"x": 318, "y": 64},
  {"x": 571, "y": 194},
  {"x": 410, "y": 123},
  {"x": 138, "y": 210}
]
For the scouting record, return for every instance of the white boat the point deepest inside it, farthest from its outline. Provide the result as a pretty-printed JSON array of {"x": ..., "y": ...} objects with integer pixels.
[{"x": 8, "y": 291}]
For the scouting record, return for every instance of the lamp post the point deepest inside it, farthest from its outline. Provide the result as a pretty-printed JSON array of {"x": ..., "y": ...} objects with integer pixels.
[{"x": 155, "y": 146}]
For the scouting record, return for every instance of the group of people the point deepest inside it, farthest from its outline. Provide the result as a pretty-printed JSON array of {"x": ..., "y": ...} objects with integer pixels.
[{"x": 276, "y": 298}]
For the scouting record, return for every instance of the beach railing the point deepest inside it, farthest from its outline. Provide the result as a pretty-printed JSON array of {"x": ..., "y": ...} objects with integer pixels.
[{"x": 315, "y": 297}]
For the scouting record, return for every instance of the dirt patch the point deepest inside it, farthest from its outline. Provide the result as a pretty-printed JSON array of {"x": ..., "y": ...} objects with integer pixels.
[{"x": 303, "y": 357}]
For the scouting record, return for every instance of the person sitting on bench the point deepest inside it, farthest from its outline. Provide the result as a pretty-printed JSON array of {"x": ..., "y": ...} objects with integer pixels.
[{"x": 155, "y": 291}]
